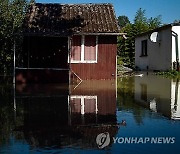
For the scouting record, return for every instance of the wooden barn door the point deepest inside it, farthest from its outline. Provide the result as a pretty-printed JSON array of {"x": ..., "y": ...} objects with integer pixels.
[
  {"x": 47, "y": 52},
  {"x": 45, "y": 60}
]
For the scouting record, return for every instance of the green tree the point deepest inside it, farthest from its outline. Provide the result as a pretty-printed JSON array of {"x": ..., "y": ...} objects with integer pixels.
[
  {"x": 32, "y": 1},
  {"x": 126, "y": 46},
  {"x": 140, "y": 21},
  {"x": 154, "y": 22},
  {"x": 12, "y": 13},
  {"x": 140, "y": 16},
  {"x": 123, "y": 21}
]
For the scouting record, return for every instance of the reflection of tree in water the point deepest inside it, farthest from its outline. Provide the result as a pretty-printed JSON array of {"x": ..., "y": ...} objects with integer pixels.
[
  {"x": 126, "y": 101},
  {"x": 6, "y": 113},
  {"x": 125, "y": 91},
  {"x": 138, "y": 115}
]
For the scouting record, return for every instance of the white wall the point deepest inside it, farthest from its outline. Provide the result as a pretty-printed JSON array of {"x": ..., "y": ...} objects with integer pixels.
[
  {"x": 177, "y": 30},
  {"x": 159, "y": 54},
  {"x": 140, "y": 62}
]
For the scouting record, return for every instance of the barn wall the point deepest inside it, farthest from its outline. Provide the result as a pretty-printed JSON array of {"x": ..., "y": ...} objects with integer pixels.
[
  {"x": 105, "y": 68},
  {"x": 45, "y": 52},
  {"x": 45, "y": 60},
  {"x": 42, "y": 76}
]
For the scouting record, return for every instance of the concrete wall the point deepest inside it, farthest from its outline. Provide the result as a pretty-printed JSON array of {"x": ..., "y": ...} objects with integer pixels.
[
  {"x": 159, "y": 54},
  {"x": 177, "y": 30}
]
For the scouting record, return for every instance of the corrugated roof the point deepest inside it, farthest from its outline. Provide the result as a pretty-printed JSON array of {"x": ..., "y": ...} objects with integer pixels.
[{"x": 68, "y": 18}]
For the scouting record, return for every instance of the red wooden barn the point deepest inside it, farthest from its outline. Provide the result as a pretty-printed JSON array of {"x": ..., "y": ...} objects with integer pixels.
[{"x": 69, "y": 40}]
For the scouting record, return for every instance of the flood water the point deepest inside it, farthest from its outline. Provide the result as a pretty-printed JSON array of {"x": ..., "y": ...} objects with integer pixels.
[{"x": 52, "y": 118}]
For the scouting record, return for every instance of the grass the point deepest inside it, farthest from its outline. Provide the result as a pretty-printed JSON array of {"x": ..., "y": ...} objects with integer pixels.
[{"x": 170, "y": 74}]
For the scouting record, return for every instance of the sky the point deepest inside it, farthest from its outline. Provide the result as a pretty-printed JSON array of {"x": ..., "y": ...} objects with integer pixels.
[{"x": 168, "y": 9}]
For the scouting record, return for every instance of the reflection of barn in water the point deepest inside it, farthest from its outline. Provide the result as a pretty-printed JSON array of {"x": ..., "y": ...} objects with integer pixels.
[
  {"x": 94, "y": 98},
  {"x": 60, "y": 119}
]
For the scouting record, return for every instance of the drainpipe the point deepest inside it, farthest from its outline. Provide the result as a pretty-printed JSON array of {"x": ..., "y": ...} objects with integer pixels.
[
  {"x": 177, "y": 50},
  {"x": 176, "y": 94}
]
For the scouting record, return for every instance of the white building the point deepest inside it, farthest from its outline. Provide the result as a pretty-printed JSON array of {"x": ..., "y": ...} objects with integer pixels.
[{"x": 160, "y": 55}]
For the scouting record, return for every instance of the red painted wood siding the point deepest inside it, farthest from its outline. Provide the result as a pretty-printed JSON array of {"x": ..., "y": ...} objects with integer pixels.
[{"x": 105, "y": 68}]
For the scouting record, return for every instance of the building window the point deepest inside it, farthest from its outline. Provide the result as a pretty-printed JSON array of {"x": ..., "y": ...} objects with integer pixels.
[
  {"x": 84, "y": 49},
  {"x": 144, "y": 48},
  {"x": 90, "y": 48},
  {"x": 83, "y": 104},
  {"x": 76, "y": 49}
]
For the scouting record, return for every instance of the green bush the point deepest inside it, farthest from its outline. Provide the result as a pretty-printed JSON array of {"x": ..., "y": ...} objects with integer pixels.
[{"x": 170, "y": 74}]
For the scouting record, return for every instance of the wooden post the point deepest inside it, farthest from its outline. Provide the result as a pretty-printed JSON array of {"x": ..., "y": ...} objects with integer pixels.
[
  {"x": 69, "y": 55},
  {"x": 69, "y": 96},
  {"x": 14, "y": 68},
  {"x": 14, "y": 80}
]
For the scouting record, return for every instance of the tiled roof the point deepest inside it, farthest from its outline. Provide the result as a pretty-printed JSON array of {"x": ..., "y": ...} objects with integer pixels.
[{"x": 68, "y": 18}]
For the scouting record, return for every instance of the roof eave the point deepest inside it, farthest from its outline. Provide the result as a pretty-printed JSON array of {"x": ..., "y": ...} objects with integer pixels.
[
  {"x": 104, "y": 33},
  {"x": 70, "y": 34}
]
